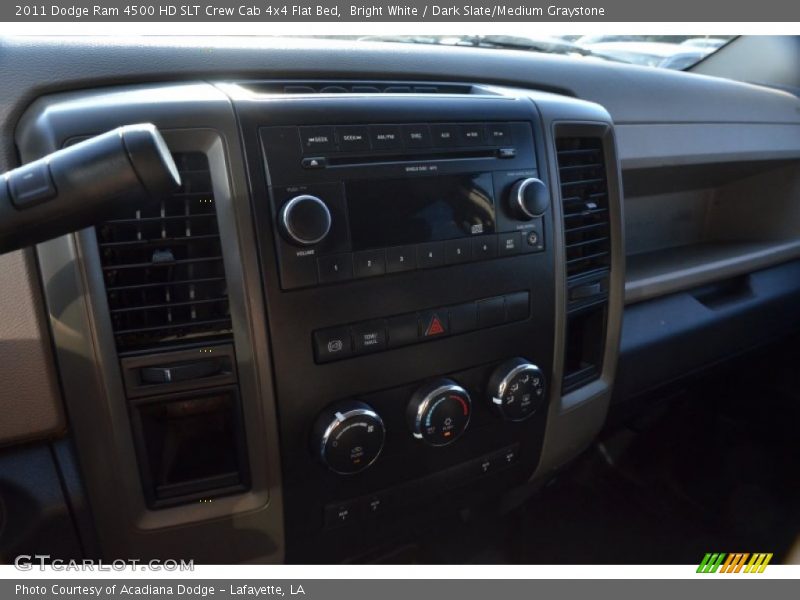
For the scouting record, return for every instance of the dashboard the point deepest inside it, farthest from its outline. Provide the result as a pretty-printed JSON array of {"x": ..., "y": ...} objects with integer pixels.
[{"x": 390, "y": 288}]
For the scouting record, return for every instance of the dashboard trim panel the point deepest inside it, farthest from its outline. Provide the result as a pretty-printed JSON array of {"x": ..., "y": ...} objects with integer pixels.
[{"x": 87, "y": 357}]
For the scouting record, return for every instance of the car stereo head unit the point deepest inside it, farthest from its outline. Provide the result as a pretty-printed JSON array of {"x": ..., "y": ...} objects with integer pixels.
[
  {"x": 356, "y": 201},
  {"x": 420, "y": 209}
]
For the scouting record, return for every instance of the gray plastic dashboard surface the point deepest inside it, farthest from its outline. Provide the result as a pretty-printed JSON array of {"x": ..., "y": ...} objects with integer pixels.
[{"x": 636, "y": 96}]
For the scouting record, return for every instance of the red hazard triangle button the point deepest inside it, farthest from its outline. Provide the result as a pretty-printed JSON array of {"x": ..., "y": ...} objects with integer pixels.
[{"x": 434, "y": 324}]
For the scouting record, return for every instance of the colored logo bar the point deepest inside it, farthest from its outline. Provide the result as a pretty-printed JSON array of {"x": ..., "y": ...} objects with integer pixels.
[{"x": 736, "y": 562}]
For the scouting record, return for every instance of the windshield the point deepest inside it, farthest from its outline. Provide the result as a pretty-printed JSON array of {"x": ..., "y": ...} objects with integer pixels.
[{"x": 679, "y": 52}]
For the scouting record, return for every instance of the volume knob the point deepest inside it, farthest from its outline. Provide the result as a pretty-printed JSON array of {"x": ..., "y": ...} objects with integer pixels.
[
  {"x": 305, "y": 220},
  {"x": 529, "y": 198}
]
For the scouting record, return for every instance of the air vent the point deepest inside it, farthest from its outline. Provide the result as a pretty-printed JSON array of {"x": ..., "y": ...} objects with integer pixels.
[
  {"x": 585, "y": 203},
  {"x": 163, "y": 267},
  {"x": 359, "y": 87},
  {"x": 584, "y": 195}
]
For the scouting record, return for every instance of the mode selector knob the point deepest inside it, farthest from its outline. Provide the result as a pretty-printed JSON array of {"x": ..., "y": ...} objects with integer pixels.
[
  {"x": 439, "y": 412},
  {"x": 528, "y": 198},
  {"x": 305, "y": 220},
  {"x": 348, "y": 437},
  {"x": 516, "y": 389}
]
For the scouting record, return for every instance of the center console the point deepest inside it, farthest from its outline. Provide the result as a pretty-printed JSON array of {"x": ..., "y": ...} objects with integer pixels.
[
  {"x": 399, "y": 303},
  {"x": 407, "y": 245}
]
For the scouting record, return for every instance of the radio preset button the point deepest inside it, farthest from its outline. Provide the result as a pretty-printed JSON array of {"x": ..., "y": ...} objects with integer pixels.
[
  {"x": 369, "y": 336},
  {"x": 509, "y": 243},
  {"x": 317, "y": 139},
  {"x": 338, "y": 267},
  {"x": 369, "y": 263},
  {"x": 332, "y": 344},
  {"x": 385, "y": 137},
  {"x": 353, "y": 137},
  {"x": 401, "y": 258},
  {"x": 484, "y": 247},
  {"x": 416, "y": 136},
  {"x": 430, "y": 255},
  {"x": 458, "y": 251}
]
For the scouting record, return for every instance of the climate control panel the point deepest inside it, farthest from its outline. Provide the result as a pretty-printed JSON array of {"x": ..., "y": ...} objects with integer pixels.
[{"x": 348, "y": 436}]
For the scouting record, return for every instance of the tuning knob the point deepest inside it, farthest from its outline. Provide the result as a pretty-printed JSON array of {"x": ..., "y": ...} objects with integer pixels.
[
  {"x": 439, "y": 412},
  {"x": 348, "y": 437},
  {"x": 305, "y": 220},
  {"x": 528, "y": 198},
  {"x": 516, "y": 389}
]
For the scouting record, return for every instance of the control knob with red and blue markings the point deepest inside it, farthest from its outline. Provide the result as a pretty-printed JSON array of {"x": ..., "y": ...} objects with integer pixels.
[{"x": 439, "y": 412}]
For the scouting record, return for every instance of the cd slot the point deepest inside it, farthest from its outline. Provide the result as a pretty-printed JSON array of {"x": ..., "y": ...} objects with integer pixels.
[{"x": 341, "y": 161}]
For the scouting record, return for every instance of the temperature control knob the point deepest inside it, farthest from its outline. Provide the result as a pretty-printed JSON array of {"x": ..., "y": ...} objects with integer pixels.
[
  {"x": 439, "y": 412},
  {"x": 516, "y": 389},
  {"x": 348, "y": 437},
  {"x": 305, "y": 220},
  {"x": 528, "y": 198}
]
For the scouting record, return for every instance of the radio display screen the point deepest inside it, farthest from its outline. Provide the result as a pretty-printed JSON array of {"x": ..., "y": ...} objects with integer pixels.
[{"x": 395, "y": 212}]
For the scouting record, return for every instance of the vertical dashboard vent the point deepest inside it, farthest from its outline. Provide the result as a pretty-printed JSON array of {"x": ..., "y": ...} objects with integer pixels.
[
  {"x": 163, "y": 267},
  {"x": 587, "y": 246},
  {"x": 584, "y": 196}
]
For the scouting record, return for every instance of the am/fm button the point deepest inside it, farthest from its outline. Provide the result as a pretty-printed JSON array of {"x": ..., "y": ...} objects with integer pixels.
[{"x": 385, "y": 137}]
